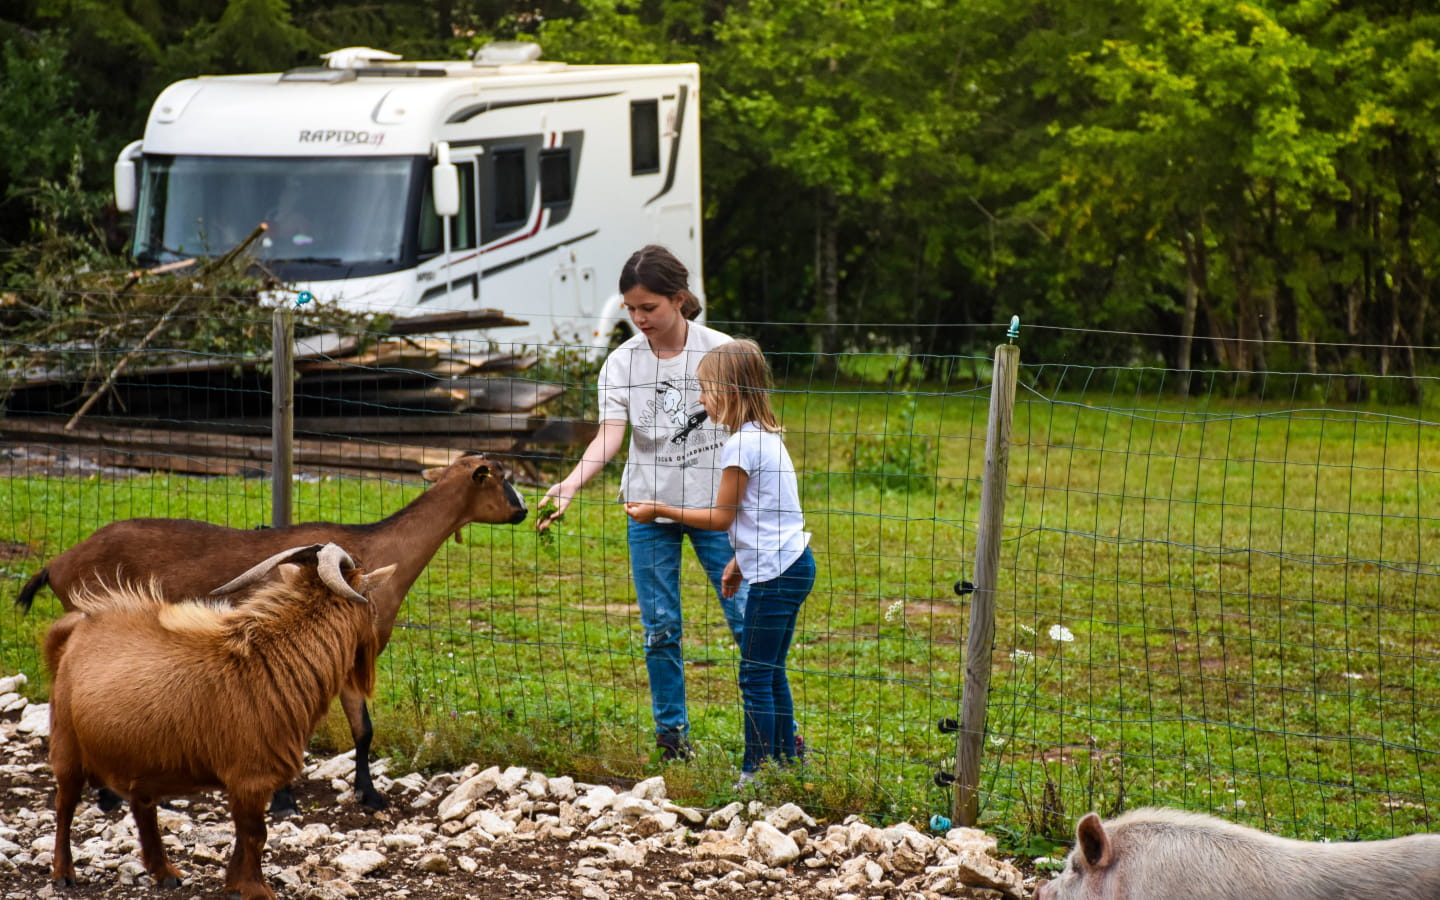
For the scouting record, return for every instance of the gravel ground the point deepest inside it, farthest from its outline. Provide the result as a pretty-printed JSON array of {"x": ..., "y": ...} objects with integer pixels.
[{"x": 486, "y": 834}]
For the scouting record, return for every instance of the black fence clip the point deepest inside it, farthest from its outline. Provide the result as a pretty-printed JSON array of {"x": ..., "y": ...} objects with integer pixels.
[
  {"x": 963, "y": 587},
  {"x": 947, "y": 726},
  {"x": 944, "y": 779}
]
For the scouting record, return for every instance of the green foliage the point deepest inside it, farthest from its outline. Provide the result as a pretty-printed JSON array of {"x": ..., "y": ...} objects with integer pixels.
[{"x": 42, "y": 132}]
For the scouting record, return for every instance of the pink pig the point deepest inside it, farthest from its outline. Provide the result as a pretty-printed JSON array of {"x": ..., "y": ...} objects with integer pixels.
[{"x": 1166, "y": 854}]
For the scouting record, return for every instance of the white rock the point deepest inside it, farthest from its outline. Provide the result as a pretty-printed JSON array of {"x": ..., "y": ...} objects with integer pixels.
[
  {"x": 492, "y": 824},
  {"x": 462, "y": 801},
  {"x": 35, "y": 720},
  {"x": 596, "y": 800},
  {"x": 789, "y": 817},
  {"x": 562, "y": 788},
  {"x": 436, "y": 863},
  {"x": 359, "y": 862},
  {"x": 652, "y": 789},
  {"x": 402, "y": 842},
  {"x": 688, "y": 814},
  {"x": 971, "y": 839},
  {"x": 631, "y": 808},
  {"x": 510, "y": 779},
  {"x": 335, "y": 767},
  {"x": 722, "y": 817},
  {"x": 13, "y": 682},
  {"x": 770, "y": 845}
]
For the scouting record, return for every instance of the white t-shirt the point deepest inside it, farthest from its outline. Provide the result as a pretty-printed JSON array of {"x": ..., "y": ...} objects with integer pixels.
[
  {"x": 768, "y": 533},
  {"x": 674, "y": 450}
]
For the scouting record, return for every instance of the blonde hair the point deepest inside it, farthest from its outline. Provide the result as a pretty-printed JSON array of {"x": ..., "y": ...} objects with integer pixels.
[{"x": 738, "y": 376}]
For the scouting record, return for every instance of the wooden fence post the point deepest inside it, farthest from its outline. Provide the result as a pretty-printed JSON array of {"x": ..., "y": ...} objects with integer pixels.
[
  {"x": 282, "y": 417},
  {"x": 981, "y": 639}
]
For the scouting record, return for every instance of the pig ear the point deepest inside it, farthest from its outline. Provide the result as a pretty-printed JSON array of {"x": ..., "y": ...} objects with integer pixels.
[{"x": 1094, "y": 844}]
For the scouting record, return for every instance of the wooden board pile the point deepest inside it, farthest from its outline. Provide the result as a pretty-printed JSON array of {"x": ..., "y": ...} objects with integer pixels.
[{"x": 400, "y": 403}]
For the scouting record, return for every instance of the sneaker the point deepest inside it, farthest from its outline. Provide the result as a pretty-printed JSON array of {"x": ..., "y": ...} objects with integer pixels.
[
  {"x": 674, "y": 746},
  {"x": 743, "y": 781}
]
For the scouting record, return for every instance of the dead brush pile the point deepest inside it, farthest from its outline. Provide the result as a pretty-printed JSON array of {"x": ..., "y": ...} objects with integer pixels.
[{"x": 71, "y": 311}]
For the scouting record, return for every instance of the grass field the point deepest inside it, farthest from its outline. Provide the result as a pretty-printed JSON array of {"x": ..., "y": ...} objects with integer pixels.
[{"x": 1219, "y": 603}]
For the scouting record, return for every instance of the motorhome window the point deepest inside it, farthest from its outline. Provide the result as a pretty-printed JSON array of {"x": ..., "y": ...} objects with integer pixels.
[
  {"x": 324, "y": 217},
  {"x": 462, "y": 224},
  {"x": 644, "y": 137},
  {"x": 510, "y": 188},
  {"x": 555, "y": 188}
]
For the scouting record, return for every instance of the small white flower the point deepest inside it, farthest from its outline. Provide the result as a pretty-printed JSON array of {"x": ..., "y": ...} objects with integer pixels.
[
  {"x": 1353, "y": 676},
  {"x": 1021, "y": 657},
  {"x": 1061, "y": 633},
  {"x": 896, "y": 611},
  {"x": 1025, "y": 628}
]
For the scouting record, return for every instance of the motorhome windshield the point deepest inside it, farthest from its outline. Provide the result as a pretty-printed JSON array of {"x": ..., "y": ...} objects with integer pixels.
[{"x": 325, "y": 218}]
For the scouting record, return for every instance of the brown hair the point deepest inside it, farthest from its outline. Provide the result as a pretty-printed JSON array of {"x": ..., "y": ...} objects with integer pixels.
[
  {"x": 737, "y": 374},
  {"x": 658, "y": 271}
]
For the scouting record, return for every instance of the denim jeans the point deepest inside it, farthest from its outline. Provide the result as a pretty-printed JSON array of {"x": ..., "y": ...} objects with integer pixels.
[
  {"x": 770, "y": 613},
  {"x": 655, "y": 566}
]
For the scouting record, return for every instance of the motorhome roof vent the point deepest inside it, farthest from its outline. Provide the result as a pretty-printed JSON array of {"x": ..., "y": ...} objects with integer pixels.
[
  {"x": 322, "y": 75},
  {"x": 507, "y": 53},
  {"x": 357, "y": 57}
]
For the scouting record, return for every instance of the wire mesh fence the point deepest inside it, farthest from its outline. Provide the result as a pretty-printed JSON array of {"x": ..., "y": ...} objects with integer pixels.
[{"x": 1215, "y": 587}]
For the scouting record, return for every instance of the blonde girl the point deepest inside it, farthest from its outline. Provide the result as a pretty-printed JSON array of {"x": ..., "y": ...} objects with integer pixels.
[{"x": 758, "y": 503}]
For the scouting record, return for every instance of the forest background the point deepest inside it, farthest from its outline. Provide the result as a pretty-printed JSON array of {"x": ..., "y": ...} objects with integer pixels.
[{"x": 1248, "y": 185}]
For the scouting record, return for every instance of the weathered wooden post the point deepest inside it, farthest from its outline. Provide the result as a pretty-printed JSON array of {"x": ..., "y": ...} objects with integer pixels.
[
  {"x": 282, "y": 417},
  {"x": 981, "y": 639}
]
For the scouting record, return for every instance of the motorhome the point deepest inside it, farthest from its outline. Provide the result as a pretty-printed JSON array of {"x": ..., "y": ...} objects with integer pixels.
[{"x": 404, "y": 188}]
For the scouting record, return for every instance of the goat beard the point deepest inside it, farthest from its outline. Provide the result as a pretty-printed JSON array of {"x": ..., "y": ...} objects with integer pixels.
[{"x": 457, "y": 538}]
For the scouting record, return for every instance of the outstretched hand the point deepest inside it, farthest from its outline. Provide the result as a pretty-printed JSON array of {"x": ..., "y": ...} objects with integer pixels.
[{"x": 553, "y": 505}]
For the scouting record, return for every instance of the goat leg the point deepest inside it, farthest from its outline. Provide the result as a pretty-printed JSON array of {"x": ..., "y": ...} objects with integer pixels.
[
  {"x": 357, "y": 711},
  {"x": 243, "y": 874},
  {"x": 68, "y": 783},
  {"x": 152, "y": 849}
]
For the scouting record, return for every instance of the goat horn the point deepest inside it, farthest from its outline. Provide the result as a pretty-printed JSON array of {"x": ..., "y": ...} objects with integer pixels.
[
  {"x": 261, "y": 569},
  {"x": 333, "y": 563}
]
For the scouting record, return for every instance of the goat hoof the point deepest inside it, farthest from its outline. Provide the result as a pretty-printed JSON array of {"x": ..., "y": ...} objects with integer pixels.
[
  {"x": 64, "y": 882},
  {"x": 170, "y": 881},
  {"x": 375, "y": 801}
]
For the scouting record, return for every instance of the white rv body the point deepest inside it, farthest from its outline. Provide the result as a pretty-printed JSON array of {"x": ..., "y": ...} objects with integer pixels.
[{"x": 562, "y": 172}]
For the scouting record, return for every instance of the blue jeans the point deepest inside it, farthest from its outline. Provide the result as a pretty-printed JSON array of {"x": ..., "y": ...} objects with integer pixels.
[
  {"x": 655, "y": 566},
  {"x": 770, "y": 614}
]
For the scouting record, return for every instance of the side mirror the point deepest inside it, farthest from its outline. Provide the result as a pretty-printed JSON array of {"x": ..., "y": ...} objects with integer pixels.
[
  {"x": 445, "y": 182},
  {"x": 126, "y": 187}
]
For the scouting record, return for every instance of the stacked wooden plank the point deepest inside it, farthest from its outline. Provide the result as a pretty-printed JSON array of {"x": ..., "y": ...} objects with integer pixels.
[{"x": 403, "y": 401}]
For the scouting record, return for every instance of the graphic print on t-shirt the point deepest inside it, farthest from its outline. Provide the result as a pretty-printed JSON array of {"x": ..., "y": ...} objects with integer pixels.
[{"x": 674, "y": 428}]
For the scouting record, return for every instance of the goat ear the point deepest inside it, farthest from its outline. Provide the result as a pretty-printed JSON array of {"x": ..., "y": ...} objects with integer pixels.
[
  {"x": 288, "y": 571},
  {"x": 377, "y": 578},
  {"x": 432, "y": 475}
]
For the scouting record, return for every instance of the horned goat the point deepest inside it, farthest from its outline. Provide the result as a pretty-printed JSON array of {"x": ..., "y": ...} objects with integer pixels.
[
  {"x": 186, "y": 558},
  {"x": 155, "y": 699}
]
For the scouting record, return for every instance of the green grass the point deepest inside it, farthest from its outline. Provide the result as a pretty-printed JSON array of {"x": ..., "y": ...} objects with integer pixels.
[{"x": 1249, "y": 587}]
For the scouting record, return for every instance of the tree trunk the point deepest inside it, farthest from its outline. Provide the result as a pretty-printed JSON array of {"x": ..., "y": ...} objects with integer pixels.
[{"x": 827, "y": 278}]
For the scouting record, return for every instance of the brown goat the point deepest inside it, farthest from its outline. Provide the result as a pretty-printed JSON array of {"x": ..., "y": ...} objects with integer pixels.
[
  {"x": 186, "y": 558},
  {"x": 155, "y": 699}
]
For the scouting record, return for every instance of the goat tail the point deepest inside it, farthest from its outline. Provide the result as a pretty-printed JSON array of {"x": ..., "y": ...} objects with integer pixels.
[{"x": 26, "y": 597}]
